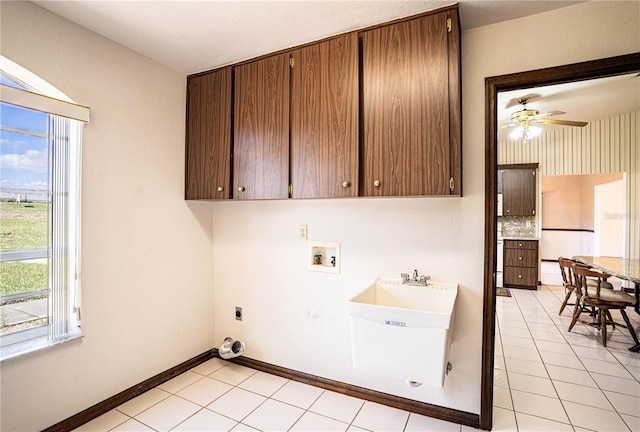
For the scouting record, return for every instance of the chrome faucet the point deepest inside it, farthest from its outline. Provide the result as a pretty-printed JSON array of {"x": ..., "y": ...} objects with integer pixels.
[{"x": 415, "y": 280}]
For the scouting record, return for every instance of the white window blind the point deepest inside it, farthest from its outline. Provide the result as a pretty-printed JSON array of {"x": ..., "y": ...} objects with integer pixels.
[{"x": 64, "y": 136}]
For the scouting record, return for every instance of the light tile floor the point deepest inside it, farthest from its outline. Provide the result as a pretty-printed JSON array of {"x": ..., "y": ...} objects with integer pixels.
[
  {"x": 222, "y": 396},
  {"x": 546, "y": 379}
]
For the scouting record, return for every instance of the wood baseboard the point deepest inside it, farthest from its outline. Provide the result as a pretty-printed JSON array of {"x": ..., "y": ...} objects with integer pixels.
[
  {"x": 107, "y": 405},
  {"x": 442, "y": 413},
  {"x": 429, "y": 410}
]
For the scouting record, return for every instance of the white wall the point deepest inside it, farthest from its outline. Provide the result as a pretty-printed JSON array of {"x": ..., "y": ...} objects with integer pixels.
[
  {"x": 147, "y": 254},
  {"x": 298, "y": 319},
  {"x": 554, "y": 244},
  {"x": 147, "y": 298}
]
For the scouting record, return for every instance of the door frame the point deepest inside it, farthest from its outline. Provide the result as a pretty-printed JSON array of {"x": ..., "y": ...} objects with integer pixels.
[{"x": 523, "y": 80}]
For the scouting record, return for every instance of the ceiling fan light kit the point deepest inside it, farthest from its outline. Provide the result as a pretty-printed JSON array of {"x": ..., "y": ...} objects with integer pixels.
[
  {"x": 525, "y": 133},
  {"x": 525, "y": 120}
]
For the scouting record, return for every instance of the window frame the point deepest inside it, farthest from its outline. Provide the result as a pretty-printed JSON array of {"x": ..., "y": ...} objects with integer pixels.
[{"x": 66, "y": 120}]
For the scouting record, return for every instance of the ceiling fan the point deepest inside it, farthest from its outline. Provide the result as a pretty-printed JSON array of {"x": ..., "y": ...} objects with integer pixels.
[{"x": 525, "y": 121}]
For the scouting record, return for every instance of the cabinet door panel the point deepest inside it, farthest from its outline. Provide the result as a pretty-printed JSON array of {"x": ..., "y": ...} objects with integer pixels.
[
  {"x": 406, "y": 108},
  {"x": 521, "y": 258},
  {"x": 261, "y": 129},
  {"x": 324, "y": 119},
  {"x": 208, "y": 149},
  {"x": 520, "y": 244},
  {"x": 519, "y": 192},
  {"x": 520, "y": 276}
]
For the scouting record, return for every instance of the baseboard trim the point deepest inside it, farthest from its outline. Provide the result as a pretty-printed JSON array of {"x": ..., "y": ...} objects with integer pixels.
[
  {"x": 442, "y": 413},
  {"x": 107, "y": 405}
]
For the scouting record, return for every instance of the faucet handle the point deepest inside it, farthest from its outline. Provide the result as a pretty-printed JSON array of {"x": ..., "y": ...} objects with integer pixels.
[{"x": 404, "y": 276}]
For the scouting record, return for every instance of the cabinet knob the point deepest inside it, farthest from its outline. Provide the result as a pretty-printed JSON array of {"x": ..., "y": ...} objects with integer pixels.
[
  {"x": 520, "y": 245},
  {"x": 519, "y": 276},
  {"x": 220, "y": 188},
  {"x": 520, "y": 258},
  {"x": 241, "y": 188},
  {"x": 376, "y": 183},
  {"x": 507, "y": 210},
  {"x": 346, "y": 184}
]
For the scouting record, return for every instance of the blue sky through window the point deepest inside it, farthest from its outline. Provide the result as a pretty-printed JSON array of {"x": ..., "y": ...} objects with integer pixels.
[{"x": 23, "y": 157}]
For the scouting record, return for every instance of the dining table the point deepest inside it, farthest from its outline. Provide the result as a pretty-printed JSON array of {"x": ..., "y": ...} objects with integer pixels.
[{"x": 623, "y": 268}]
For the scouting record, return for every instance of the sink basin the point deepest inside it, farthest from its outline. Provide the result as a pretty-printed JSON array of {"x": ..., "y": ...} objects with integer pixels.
[{"x": 403, "y": 331}]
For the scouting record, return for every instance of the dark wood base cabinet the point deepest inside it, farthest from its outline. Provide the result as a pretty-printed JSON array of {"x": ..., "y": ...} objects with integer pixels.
[{"x": 521, "y": 264}]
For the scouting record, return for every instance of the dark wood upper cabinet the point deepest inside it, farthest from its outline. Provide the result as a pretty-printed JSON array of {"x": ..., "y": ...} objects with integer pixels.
[
  {"x": 324, "y": 119},
  {"x": 208, "y": 141},
  {"x": 519, "y": 190},
  {"x": 411, "y": 117},
  {"x": 261, "y": 129},
  {"x": 375, "y": 112}
]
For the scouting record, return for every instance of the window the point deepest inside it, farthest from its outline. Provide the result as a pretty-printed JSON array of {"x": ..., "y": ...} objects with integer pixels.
[{"x": 40, "y": 177}]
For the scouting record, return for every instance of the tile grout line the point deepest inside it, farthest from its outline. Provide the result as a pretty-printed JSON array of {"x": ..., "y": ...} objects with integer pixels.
[
  {"x": 541, "y": 358},
  {"x": 577, "y": 356},
  {"x": 585, "y": 368},
  {"x": 513, "y": 405},
  {"x": 533, "y": 338}
]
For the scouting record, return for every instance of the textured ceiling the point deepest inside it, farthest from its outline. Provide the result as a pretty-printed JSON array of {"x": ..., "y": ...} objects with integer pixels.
[
  {"x": 192, "y": 36},
  {"x": 581, "y": 101}
]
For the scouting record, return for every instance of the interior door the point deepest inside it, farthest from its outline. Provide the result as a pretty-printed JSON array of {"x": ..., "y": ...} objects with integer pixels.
[{"x": 608, "y": 225}]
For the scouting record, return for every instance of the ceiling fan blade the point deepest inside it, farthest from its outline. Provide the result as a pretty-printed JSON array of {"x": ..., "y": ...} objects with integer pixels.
[
  {"x": 551, "y": 113},
  {"x": 562, "y": 122}
]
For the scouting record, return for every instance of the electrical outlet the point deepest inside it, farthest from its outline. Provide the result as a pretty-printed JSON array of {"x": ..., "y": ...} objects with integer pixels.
[
  {"x": 302, "y": 232},
  {"x": 238, "y": 313}
]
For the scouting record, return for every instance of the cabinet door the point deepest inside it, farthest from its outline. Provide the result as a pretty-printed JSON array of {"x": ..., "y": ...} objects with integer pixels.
[
  {"x": 208, "y": 147},
  {"x": 261, "y": 129},
  {"x": 405, "y": 95},
  {"x": 324, "y": 119},
  {"x": 519, "y": 192}
]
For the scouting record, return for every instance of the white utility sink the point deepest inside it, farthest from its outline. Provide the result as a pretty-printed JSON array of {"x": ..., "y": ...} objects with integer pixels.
[{"x": 403, "y": 331}]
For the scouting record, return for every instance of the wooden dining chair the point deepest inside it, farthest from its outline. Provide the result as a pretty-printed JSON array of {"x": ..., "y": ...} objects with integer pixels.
[
  {"x": 602, "y": 299},
  {"x": 566, "y": 271}
]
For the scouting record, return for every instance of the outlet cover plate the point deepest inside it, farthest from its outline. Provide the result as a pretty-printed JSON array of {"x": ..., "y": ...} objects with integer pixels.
[{"x": 302, "y": 232}]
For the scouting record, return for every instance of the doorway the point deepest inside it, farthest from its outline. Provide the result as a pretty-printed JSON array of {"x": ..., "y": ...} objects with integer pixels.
[{"x": 562, "y": 74}]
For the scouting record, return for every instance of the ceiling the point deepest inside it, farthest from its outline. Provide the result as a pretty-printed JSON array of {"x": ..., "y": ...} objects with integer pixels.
[
  {"x": 193, "y": 36},
  {"x": 581, "y": 101}
]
